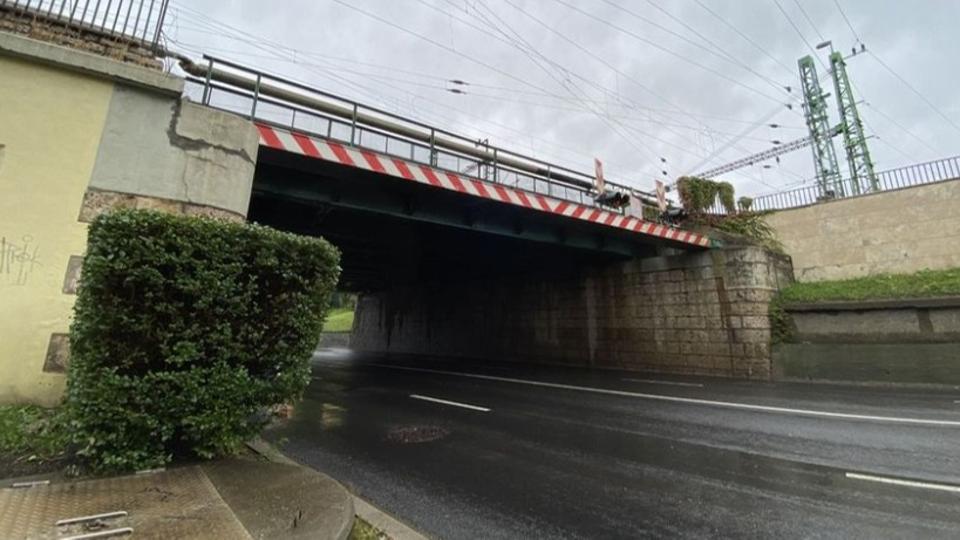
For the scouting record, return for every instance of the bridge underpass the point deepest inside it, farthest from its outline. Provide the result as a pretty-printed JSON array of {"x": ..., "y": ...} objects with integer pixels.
[
  {"x": 394, "y": 232},
  {"x": 460, "y": 249},
  {"x": 443, "y": 270}
]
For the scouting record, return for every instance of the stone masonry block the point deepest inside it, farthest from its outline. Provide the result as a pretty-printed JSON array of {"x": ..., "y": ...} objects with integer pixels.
[
  {"x": 751, "y": 335},
  {"x": 750, "y": 308},
  {"x": 756, "y": 322}
]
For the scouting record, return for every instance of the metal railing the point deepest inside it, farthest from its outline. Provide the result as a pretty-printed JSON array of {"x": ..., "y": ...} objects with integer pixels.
[
  {"x": 235, "y": 88},
  {"x": 903, "y": 177},
  {"x": 139, "y": 21}
]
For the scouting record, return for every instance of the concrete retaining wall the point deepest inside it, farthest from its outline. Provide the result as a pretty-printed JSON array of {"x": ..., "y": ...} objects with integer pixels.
[
  {"x": 898, "y": 231},
  {"x": 79, "y": 134},
  {"x": 702, "y": 313},
  {"x": 903, "y": 341}
]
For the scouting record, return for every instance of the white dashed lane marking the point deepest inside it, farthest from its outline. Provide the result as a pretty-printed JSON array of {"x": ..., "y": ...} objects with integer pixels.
[
  {"x": 689, "y": 400},
  {"x": 451, "y": 403}
]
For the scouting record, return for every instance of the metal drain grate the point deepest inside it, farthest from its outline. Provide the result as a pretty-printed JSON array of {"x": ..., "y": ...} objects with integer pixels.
[
  {"x": 180, "y": 503},
  {"x": 416, "y": 434}
]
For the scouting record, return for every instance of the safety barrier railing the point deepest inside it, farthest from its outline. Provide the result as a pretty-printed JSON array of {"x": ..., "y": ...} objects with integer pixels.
[
  {"x": 139, "y": 21},
  {"x": 289, "y": 104},
  {"x": 902, "y": 177}
]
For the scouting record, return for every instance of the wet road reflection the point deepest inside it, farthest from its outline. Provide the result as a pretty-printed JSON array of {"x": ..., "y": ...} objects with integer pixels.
[{"x": 558, "y": 462}]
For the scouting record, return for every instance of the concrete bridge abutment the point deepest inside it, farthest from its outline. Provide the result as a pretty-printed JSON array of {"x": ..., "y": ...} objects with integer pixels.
[{"x": 81, "y": 133}]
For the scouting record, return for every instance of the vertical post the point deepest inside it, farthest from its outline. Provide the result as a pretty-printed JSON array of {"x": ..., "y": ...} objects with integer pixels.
[
  {"x": 353, "y": 125},
  {"x": 256, "y": 97},
  {"x": 159, "y": 23},
  {"x": 146, "y": 23},
  {"x": 126, "y": 20},
  {"x": 293, "y": 118},
  {"x": 496, "y": 177},
  {"x": 96, "y": 9},
  {"x": 106, "y": 16},
  {"x": 206, "y": 85},
  {"x": 433, "y": 147}
]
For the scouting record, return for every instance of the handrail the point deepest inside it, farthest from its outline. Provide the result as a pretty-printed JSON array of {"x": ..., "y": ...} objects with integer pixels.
[
  {"x": 261, "y": 83},
  {"x": 902, "y": 177},
  {"x": 583, "y": 195}
]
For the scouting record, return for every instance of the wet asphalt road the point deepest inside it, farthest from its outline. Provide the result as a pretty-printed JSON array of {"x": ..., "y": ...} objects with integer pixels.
[{"x": 714, "y": 459}]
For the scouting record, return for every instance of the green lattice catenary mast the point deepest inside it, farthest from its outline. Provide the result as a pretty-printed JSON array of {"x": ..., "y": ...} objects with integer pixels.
[{"x": 821, "y": 134}]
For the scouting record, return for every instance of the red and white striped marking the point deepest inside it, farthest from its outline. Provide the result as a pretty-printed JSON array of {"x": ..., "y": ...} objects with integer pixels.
[{"x": 300, "y": 143}]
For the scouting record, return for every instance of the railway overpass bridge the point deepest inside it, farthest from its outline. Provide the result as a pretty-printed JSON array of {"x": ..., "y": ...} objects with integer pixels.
[
  {"x": 457, "y": 248},
  {"x": 461, "y": 249},
  {"x": 401, "y": 198}
]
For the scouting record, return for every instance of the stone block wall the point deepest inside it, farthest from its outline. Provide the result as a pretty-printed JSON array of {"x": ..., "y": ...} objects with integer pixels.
[
  {"x": 52, "y": 30},
  {"x": 890, "y": 232},
  {"x": 701, "y": 313}
]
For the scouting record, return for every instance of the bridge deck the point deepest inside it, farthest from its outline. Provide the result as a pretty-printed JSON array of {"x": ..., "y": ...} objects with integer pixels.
[{"x": 434, "y": 177}]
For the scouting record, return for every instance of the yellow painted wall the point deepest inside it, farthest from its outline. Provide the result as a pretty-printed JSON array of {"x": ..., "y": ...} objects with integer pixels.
[{"x": 50, "y": 126}]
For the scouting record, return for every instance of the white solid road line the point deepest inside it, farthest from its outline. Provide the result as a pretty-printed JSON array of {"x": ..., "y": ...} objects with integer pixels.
[
  {"x": 671, "y": 383},
  {"x": 697, "y": 401},
  {"x": 454, "y": 403},
  {"x": 907, "y": 483}
]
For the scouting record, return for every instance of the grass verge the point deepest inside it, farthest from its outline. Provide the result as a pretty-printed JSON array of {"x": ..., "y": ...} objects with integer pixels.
[
  {"x": 339, "y": 320},
  {"x": 32, "y": 440},
  {"x": 925, "y": 283}
]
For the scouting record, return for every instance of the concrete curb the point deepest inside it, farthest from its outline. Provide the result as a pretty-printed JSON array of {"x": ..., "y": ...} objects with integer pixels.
[
  {"x": 337, "y": 503},
  {"x": 383, "y": 521}
]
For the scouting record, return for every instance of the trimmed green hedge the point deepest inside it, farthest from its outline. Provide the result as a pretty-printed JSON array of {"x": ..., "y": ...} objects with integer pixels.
[{"x": 186, "y": 330}]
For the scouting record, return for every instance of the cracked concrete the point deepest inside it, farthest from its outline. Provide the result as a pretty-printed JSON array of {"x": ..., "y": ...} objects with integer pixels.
[
  {"x": 195, "y": 127},
  {"x": 158, "y": 147}
]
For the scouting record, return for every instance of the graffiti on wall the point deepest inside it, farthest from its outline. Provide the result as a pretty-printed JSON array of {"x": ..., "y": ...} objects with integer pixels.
[{"x": 18, "y": 260}]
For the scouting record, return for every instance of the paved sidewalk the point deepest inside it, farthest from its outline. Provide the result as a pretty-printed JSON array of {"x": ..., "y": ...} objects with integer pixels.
[
  {"x": 229, "y": 499},
  {"x": 384, "y": 522}
]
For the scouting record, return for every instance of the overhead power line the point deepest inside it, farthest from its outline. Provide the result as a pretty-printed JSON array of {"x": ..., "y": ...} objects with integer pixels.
[
  {"x": 675, "y": 54},
  {"x": 569, "y": 73},
  {"x": 763, "y": 50},
  {"x": 282, "y": 52},
  {"x": 914, "y": 90},
  {"x": 900, "y": 78},
  {"x": 683, "y": 149},
  {"x": 200, "y": 48},
  {"x": 796, "y": 28},
  {"x": 847, "y": 20},
  {"x": 542, "y": 62},
  {"x": 723, "y": 54},
  {"x": 296, "y": 56},
  {"x": 809, "y": 20}
]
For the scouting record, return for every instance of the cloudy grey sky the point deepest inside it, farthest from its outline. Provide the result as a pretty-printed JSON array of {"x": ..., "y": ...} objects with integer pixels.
[{"x": 695, "y": 82}]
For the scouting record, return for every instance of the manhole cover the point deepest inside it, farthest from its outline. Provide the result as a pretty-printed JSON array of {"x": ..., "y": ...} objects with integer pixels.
[{"x": 416, "y": 434}]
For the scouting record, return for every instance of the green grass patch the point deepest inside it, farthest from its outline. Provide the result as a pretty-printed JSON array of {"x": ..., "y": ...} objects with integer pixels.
[
  {"x": 339, "y": 320},
  {"x": 925, "y": 283},
  {"x": 363, "y": 530},
  {"x": 31, "y": 432}
]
